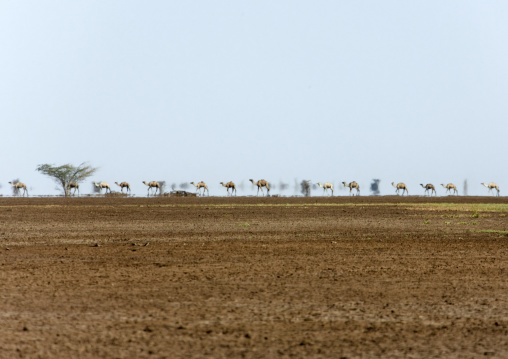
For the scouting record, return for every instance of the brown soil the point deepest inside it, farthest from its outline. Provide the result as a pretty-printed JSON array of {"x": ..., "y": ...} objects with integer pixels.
[{"x": 254, "y": 277}]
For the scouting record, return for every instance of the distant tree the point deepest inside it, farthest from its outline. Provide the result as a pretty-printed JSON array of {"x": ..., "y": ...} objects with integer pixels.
[
  {"x": 162, "y": 185},
  {"x": 374, "y": 187},
  {"x": 283, "y": 186},
  {"x": 65, "y": 174},
  {"x": 305, "y": 188}
]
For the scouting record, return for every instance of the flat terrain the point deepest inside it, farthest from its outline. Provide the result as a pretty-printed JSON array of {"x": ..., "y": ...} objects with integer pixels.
[{"x": 254, "y": 277}]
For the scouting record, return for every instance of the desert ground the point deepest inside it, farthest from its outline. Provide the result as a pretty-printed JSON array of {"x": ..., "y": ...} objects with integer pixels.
[{"x": 249, "y": 277}]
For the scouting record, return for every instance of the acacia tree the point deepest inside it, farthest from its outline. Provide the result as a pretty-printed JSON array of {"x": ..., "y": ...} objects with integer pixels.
[{"x": 65, "y": 174}]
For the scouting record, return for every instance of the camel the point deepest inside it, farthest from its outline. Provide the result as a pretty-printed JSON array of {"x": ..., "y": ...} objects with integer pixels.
[
  {"x": 351, "y": 186},
  {"x": 492, "y": 186},
  {"x": 260, "y": 184},
  {"x": 400, "y": 186},
  {"x": 102, "y": 185},
  {"x": 200, "y": 185},
  {"x": 17, "y": 186},
  {"x": 153, "y": 184},
  {"x": 229, "y": 185},
  {"x": 429, "y": 187},
  {"x": 123, "y": 185},
  {"x": 450, "y": 187},
  {"x": 74, "y": 185},
  {"x": 326, "y": 186}
]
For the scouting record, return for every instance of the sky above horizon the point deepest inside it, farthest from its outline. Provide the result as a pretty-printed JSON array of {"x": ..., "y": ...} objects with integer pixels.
[{"x": 329, "y": 91}]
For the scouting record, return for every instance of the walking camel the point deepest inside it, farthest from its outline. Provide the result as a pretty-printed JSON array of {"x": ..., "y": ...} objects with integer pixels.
[
  {"x": 102, "y": 185},
  {"x": 429, "y": 187},
  {"x": 260, "y": 184},
  {"x": 352, "y": 185},
  {"x": 400, "y": 186},
  {"x": 492, "y": 186},
  {"x": 200, "y": 185},
  {"x": 451, "y": 187},
  {"x": 229, "y": 185},
  {"x": 72, "y": 185},
  {"x": 17, "y": 186},
  {"x": 326, "y": 186},
  {"x": 153, "y": 184},
  {"x": 123, "y": 185}
]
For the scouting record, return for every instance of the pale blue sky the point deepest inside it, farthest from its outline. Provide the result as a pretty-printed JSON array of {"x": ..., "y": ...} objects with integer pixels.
[{"x": 412, "y": 91}]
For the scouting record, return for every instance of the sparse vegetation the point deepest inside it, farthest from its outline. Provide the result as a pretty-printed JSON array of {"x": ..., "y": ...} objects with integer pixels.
[
  {"x": 65, "y": 174},
  {"x": 475, "y": 213}
]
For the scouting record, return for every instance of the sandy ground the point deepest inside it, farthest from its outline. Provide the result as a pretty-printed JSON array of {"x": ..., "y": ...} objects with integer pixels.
[{"x": 250, "y": 277}]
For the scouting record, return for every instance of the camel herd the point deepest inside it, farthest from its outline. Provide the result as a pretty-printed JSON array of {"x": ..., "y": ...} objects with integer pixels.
[
  {"x": 154, "y": 187},
  {"x": 450, "y": 187}
]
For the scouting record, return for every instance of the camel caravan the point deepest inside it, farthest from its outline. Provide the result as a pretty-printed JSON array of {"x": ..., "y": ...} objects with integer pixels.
[{"x": 155, "y": 188}]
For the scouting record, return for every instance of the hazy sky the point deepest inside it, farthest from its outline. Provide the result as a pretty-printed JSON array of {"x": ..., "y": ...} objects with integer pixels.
[{"x": 181, "y": 91}]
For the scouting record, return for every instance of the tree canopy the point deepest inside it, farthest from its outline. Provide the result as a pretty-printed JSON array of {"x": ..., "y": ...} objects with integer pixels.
[{"x": 65, "y": 174}]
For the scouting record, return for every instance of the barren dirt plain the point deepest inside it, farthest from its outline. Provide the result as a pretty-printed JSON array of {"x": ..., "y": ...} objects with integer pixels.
[{"x": 247, "y": 277}]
